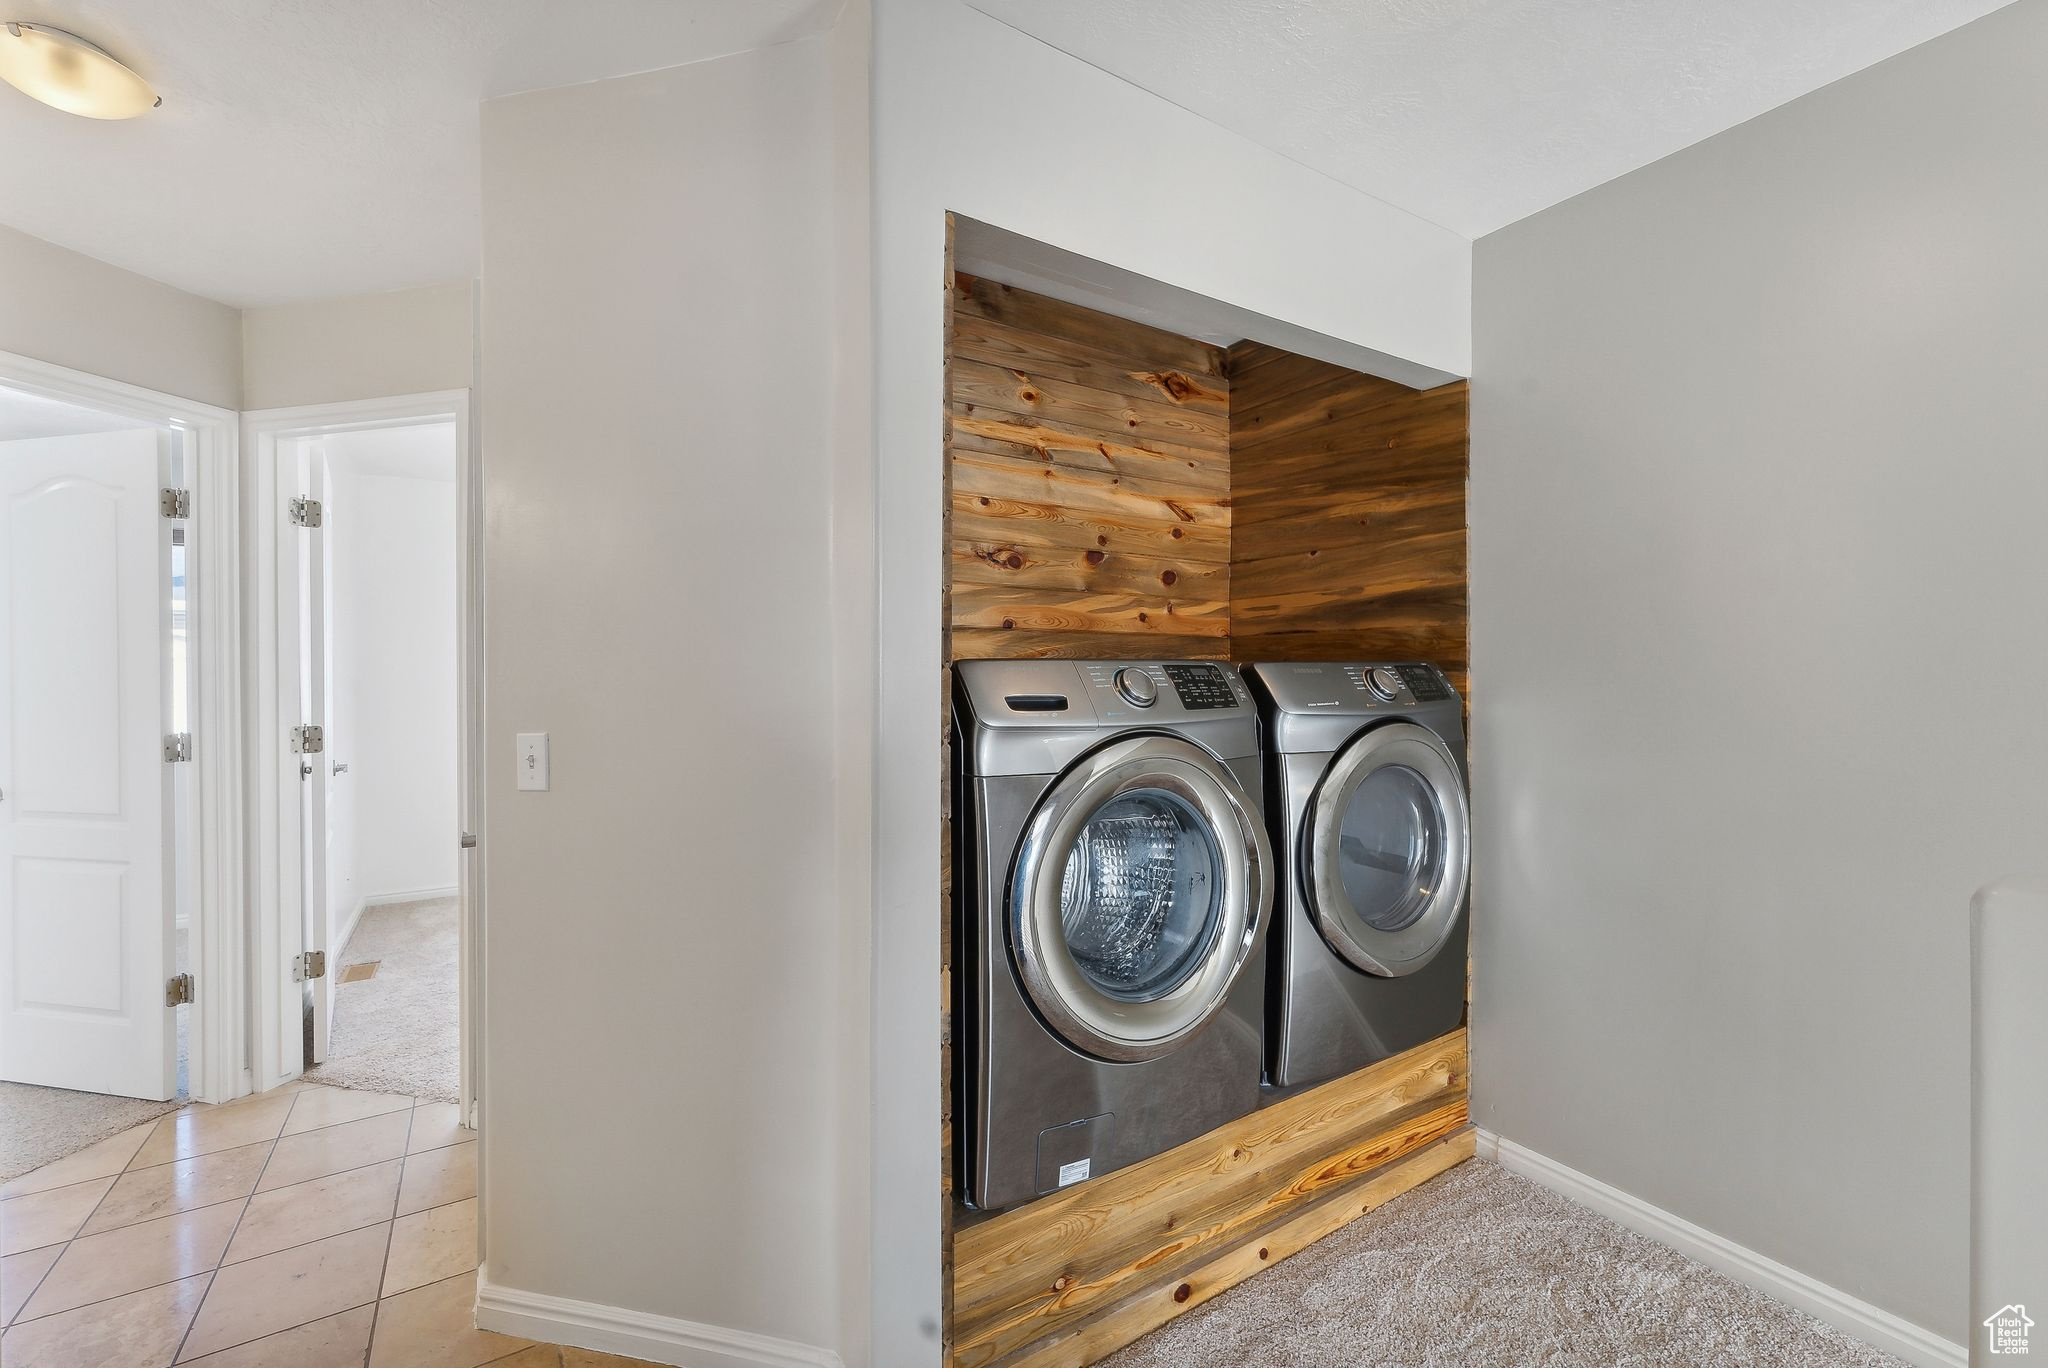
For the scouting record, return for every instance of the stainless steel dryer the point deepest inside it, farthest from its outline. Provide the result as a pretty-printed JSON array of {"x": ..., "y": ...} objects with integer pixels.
[
  {"x": 1366, "y": 789},
  {"x": 1112, "y": 889}
]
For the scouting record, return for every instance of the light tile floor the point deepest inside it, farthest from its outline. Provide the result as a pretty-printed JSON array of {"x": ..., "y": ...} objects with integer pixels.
[{"x": 308, "y": 1227}]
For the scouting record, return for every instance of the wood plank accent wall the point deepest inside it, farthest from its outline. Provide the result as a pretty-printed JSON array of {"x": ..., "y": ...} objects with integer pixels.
[
  {"x": 1115, "y": 490},
  {"x": 1348, "y": 514},
  {"x": 1073, "y": 1276},
  {"x": 1090, "y": 466}
]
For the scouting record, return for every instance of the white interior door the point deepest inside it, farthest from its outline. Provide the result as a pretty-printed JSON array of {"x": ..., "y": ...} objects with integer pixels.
[
  {"x": 86, "y": 897},
  {"x": 315, "y": 773}
]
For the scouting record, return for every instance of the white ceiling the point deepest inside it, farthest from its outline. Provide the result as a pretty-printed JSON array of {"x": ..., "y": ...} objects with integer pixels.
[
  {"x": 1475, "y": 113},
  {"x": 31, "y": 415},
  {"x": 308, "y": 148}
]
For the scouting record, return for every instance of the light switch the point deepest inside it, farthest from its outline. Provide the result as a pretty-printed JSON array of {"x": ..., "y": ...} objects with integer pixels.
[{"x": 533, "y": 760}]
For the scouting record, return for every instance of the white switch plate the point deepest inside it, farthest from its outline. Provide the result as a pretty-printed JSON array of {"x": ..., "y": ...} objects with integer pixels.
[{"x": 532, "y": 760}]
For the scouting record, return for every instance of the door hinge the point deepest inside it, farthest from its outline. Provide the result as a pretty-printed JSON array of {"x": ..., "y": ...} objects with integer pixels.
[
  {"x": 175, "y": 503},
  {"x": 308, "y": 740},
  {"x": 305, "y": 512},
  {"x": 310, "y": 965},
  {"x": 177, "y": 746},
  {"x": 178, "y": 991}
]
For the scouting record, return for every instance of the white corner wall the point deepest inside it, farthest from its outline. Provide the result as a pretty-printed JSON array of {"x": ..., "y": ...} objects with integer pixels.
[
  {"x": 328, "y": 351},
  {"x": 1758, "y": 572},
  {"x": 71, "y": 310},
  {"x": 675, "y": 1084},
  {"x": 973, "y": 117}
]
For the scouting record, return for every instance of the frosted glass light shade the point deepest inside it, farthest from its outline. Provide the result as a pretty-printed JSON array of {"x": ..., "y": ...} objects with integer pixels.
[{"x": 66, "y": 72}]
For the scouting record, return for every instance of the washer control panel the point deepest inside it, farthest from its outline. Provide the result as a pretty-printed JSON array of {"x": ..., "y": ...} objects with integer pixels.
[
  {"x": 1159, "y": 690},
  {"x": 1202, "y": 687}
]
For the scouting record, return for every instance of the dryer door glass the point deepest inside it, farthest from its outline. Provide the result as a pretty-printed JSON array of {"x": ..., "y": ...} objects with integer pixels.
[
  {"x": 1140, "y": 899},
  {"x": 1138, "y": 894},
  {"x": 1387, "y": 849},
  {"x": 1390, "y": 848}
]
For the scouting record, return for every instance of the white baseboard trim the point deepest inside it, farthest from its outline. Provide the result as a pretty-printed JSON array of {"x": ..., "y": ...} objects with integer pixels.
[
  {"x": 406, "y": 895},
  {"x": 385, "y": 900},
  {"x": 1873, "y": 1325},
  {"x": 348, "y": 929},
  {"x": 636, "y": 1334}
]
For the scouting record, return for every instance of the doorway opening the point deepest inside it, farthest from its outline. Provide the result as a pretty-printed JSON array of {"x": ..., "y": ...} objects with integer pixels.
[
  {"x": 102, "y": 923},
  {"x": 363, "y": 740},
  {"x": 381, "y": 636}
]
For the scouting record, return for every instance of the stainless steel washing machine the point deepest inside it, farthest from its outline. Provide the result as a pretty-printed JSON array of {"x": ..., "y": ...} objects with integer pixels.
[
  {"x": 1112, "y": 888},
  {"x": 1366, "y": 791}
]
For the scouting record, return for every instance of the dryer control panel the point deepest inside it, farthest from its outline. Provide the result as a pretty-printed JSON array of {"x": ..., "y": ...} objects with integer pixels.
[
  {"x": 1311, "y": 707},
  {"x": 1351, "y": 689},
  {"x": 1158, "y": 690}
]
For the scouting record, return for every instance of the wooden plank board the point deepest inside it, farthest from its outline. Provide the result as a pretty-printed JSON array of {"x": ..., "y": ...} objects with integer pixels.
[
  {"x": 973, "y": 643},
  {"x": 1163, "y": 1299},
  {"x": 1024, "y": 1274},
  {"x": 1004, "y": 564},
  {"x": 974, "y": 297},
  {"x": 1032, "y": 610},
  {"x": 978, "y": 517},
  {"x": 1100, "y": 458},
  {"x": 979, "y": 387},
  {"x": 1090, "y": 482},
  {"x": 1348, "y": 514},
  {"x": 1064, "y": 358}
]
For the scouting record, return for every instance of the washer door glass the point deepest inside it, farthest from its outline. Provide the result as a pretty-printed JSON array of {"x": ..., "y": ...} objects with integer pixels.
[
  {"x": 1141, "y": 897},
  {"x": 1139, "y": 892},
  {"x": 1388, "y": 849}
]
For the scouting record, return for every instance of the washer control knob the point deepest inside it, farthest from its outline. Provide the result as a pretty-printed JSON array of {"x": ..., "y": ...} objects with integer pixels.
[
  {"x": 1384, "y": 683},
  {"x": 1137, "y": 687}
]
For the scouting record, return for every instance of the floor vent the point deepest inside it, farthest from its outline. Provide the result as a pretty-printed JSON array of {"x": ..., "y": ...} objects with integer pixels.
[{"x": 355, "y": 973}]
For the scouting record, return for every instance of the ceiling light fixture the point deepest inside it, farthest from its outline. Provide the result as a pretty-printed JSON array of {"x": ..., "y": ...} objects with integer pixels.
[{"x": 66, "y": 72}]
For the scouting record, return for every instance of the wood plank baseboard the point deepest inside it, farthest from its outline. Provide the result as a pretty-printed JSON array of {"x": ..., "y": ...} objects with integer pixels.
[
  {"x": 1109, "y": 1257},
  {"x": 1153, "y": 1307}
]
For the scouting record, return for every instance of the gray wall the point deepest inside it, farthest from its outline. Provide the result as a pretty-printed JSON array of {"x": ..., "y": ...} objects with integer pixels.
[
  {"x": 1760, "y": 629},
  {"x": 675, "y": 1088}
]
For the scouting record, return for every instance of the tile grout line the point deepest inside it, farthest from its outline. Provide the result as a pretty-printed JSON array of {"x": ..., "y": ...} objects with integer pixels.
[
  {"x": 116, "y": 1296},
  {"x": 200, "y": 1309},
  {"x": 391, "y": 1235},
  {"x": 100, "y": 1301},
  {"x": 250, "y": 1195},
  {"x": 203, "y": 1154},
  {"x": 72, "y": 1239},
  {"x": 65, "y": 1245}
]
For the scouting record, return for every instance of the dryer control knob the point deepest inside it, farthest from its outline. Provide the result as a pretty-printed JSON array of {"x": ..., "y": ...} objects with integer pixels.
[
  {"x": 1384, "y": 682},
  {"x": 1137, "y": 688}
]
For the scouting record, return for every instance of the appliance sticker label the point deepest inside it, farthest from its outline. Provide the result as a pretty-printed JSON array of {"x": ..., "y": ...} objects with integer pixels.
[{"x": 1074, "y": 1172}]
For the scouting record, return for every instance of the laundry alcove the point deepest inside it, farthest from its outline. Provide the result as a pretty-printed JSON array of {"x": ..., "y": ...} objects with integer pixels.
[{"x": 1119, "y": 486}]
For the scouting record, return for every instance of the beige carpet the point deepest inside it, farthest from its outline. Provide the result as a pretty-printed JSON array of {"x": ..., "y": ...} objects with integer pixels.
[
  {"x": 41, "y": 1125},
  {"x": 1483, "y": 1267},
  {"x": 400, "y": 1031}
]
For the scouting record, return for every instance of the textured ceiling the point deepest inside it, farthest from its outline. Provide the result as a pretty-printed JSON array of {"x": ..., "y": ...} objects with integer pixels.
[
  {"x": 1475, "y": 113},
  {"x": 315, "y": 148}
]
